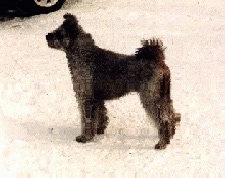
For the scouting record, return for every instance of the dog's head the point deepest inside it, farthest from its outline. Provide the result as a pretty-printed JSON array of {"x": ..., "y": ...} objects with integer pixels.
[{"x": 63, "y": 37}]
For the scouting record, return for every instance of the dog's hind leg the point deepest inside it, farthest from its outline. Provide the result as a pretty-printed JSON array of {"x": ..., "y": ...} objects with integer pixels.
[
  {"x": 155, "y": 97},
  {"x": 166, "y": 123},
  {"x": 155, "y": 112},
  {"x": 160, "y": 112},
  {"x": 166, "y": 115}
]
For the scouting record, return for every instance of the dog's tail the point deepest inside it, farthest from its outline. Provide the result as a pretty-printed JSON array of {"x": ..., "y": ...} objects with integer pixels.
[{"x": 151, "y": 50}]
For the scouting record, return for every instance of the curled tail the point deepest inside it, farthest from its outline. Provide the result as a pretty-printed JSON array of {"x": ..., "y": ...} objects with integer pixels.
[{"x": 151, "y": 49}]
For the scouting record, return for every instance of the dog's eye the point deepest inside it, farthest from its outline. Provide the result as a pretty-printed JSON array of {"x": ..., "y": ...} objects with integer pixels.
[{"x": 58, "y": 35}]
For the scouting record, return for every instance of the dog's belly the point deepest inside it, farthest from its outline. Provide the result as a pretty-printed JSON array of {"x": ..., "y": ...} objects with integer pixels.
[
  {"x": 109, "y": 92},
  {"x": 113, "y": 89}
]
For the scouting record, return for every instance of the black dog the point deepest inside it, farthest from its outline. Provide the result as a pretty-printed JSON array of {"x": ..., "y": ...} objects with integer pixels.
[{"x": 100, "y": 75}]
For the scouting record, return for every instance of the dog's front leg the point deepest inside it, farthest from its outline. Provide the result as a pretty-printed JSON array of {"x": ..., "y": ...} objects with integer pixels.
[{"x": 87, "y": 122}]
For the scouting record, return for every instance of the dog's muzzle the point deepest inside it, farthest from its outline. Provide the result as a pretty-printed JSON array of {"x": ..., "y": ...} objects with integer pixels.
[{"x": 50, "y": 39}]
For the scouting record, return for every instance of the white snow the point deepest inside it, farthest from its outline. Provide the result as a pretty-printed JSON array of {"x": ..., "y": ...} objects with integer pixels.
[{"x": 39, "y": 118}]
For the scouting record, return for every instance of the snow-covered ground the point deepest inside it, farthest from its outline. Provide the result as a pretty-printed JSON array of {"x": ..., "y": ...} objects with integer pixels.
[{"x": 39, "y": 118}]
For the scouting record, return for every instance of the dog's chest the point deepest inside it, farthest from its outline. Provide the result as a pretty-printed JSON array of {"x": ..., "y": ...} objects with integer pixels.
[{"x": 81, "y": 75}]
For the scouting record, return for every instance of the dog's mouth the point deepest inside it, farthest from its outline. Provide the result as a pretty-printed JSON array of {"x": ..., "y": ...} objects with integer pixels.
[{"x": 51, "y": 43}]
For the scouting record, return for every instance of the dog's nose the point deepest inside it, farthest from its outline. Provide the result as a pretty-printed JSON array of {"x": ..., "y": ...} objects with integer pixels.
[{"x": 49, "y": 36}]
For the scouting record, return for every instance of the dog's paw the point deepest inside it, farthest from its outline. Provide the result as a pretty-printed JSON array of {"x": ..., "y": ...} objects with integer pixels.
[
  {"x": 81, "y": 139},
  {"x": 160, "y": 145}
]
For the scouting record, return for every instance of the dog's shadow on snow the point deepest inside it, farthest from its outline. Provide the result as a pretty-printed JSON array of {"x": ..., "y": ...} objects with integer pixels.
[{"x": 118, "y": 137}]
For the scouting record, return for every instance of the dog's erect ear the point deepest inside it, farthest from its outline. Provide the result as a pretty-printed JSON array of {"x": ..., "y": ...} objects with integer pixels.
[
  {"x": 70, "y": 17},
  {"x": 70, "y": 24}
]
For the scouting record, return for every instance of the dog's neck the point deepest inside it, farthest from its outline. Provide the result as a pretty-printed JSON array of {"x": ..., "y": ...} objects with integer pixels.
[{"x": 81, "y": 50}]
